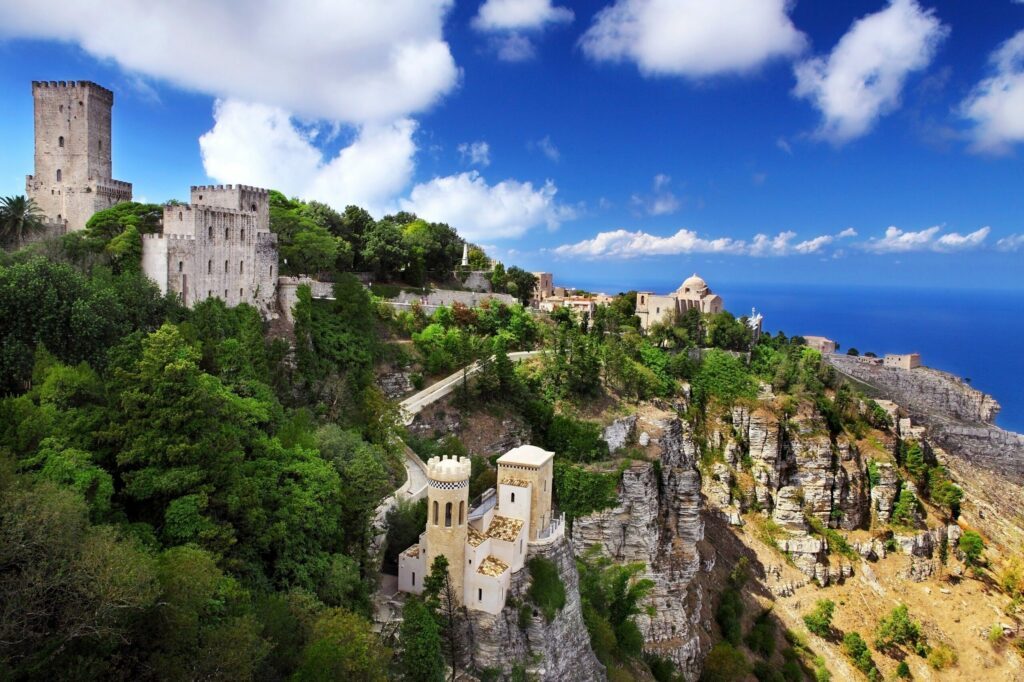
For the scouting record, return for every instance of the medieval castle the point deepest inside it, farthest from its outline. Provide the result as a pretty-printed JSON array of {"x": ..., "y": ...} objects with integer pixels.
[
  {"x": 486, "y": 543},
  {"x": 219, "y": 245}
]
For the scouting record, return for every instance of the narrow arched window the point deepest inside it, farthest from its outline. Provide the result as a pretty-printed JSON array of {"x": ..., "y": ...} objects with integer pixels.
[
  {"x": 181, "y": 266},
  {"x": 209, "y": 267},
  {"x": 513, "y": 497},
  {"x": 448, "y": 515},
  {"x": 435, "y": 512},
  {"x": 225, "y": 233},
  {"x": 462, "y": 511},
  {"x": 240, "y": 294},
  {"x": 209, "y": 233},
  {"x": 241, "y": 234},
  {"x": 479, "y": 594},
  {"x": 179, "y": 216},
  {"x": 60, "y": 141},
  {"x": 225, "y": 266},
  {"x": 241, "y": 267},
  {"x": 59, "y": 175}
]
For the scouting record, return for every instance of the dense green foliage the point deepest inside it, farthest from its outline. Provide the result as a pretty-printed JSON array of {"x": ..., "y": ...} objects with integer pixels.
[
  {"x": 972, "y": 547},
  {"x": 611, "y": 595},
  {"x": 546, "y": 591},
  {"x": 856, "y": 648},
  {"x": 896, "y": 629}
]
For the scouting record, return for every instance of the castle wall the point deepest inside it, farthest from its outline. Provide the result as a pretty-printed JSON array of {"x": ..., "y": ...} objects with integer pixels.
[{"x": 541, "y": 482}]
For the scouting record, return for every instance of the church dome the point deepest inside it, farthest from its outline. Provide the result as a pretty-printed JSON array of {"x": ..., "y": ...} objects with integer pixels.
[{"x": 694, "y": 284}]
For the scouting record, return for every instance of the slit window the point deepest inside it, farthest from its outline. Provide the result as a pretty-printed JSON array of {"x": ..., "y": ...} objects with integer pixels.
[
  {"x": 60, "y": 141},
  {"x": 435, "y": 512},
  {"x": 240, "y": 294},
  {"x": 225, "y": 233},
  {"x": 479, "y": 594},
  {"x": 462, "y": 511},
  {"x": 181, "y": 266},
  {"x": 225, "y": 266},
  {"x": 179, "y": 216},
  {"x": 209, "y": 267},
  {"x": 414, "y": 578},
  {"x": 241, "y": 267},
  {"x": 209, "y": 233},
  {"x": 513, "y": 497},
  {"x": 448, "y": 515},
  {"x": 59, "y": 175},
  {"x": 241, "y": 234}
]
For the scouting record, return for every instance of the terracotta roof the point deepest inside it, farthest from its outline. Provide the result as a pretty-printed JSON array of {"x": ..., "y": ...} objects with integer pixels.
[
  {"x": 517, "y": 482},
  {"x": 505, "y": 528},
  {"x": 475, "y": 537},
  {"x": 492, "y": 566}
]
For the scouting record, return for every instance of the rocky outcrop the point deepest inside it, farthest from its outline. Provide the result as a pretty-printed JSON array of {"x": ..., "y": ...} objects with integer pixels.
[
  {"x": 620, "y": 432},
  {"x": 559, "y": 650},
  {"x": 394, "y": 385},
  {"x": 851, "y": 504},
  {"x": 658, "y": 522},
  {"x": 764, "y": 439},
  {"x": 885, "y": 491}
]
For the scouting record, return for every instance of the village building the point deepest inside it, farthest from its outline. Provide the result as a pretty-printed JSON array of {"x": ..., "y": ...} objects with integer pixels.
[
  {"x": 544, "y": 288},
  {"x": 72, "y": 178},
  {"x": 693, "y": 294},
  {"x": 488, "y": 542},
  {"x": 217, "y": 246},
  {"x": 902, "y": 361},
  {"x": 821, "y": 344}
]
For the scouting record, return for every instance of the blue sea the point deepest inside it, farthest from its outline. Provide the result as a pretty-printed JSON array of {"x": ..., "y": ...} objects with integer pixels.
[{"x": 974, "y": 334}]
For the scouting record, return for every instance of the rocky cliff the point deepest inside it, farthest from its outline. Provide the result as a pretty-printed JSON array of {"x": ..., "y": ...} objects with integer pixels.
[
  {"x": 658, "y": 522},
  {"x": 559, "y": 650}
]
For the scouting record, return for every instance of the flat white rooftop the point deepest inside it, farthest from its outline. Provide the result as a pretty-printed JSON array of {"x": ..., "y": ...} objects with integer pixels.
[{"x": 527, "y": 455}]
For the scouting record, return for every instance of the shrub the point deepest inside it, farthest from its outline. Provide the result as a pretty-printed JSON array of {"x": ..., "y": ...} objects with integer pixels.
[
  {"x": 856, "y": 648},
  {"x": 973, "y": 548},
  {"x": 546, "y": 588},
  {"x": 897, "y": 628},
  {"x": 761, "y": 638},
  {"x": 903, "y": 671},
  {"x": 906, "y": 510},
  {"x": 729, "y": 615},
  {"x": 819, "y": 621},
  {"x": 580, "y": 492},
  {"x": 942, "y": 657},
  {"x": 725, "y": 663}
]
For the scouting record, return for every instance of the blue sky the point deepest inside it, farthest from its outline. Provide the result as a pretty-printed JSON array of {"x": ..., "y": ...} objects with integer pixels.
[{"x": 867, "y": 142}]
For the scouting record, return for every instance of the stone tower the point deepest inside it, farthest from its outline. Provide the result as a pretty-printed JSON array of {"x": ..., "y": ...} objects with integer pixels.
[
  {"x": 72, "y": 177},
  {"x": 448, "y": 515}
]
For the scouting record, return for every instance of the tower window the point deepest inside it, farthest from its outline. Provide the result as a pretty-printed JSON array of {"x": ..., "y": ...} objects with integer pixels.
[
  {"x": 60, "y": 141},
  {"x": 241, "y": 234},
  {"x": 225, "y": 295},
  {"x": 209, "y": 233},
  {"x": 240, "y": 294},
  {"x": 462, "y": 511},
  {"x": 225, "y": 267},
  {"x": 254, "y": 207},
  {"x": 179, "y": 216},
  {"x": 225, "y": 233},
  {"x": 61, "y": 108},
  {"x": 241, "y": 267},
  {"x": 209, "y": 267},
  {"x": 435, "y": 512},
  {"x": 99, "y": 145},
  {"x": 448, "y": 515},
  {"x": 59, "y": 175},
  {"x": 181, "y": 265}
]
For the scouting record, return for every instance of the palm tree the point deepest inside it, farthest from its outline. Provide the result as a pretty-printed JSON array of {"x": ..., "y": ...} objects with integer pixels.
[{"x": 19, "y": 217}]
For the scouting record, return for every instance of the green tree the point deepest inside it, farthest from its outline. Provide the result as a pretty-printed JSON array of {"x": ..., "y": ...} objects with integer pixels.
[
  {"x": 383, "y": 250},
  {"x": 420, "y": 658},
  {"x": 905, "y": 511},
  {"x": 443, "y": 600},
  {"x": 973, "y": 548},
  {"x": 546, "y": 588},
  {"x": 819, "y": 620},
  {"x": 725, "y": 663},
  {"x": 520, "y": 284},
  {"x": 897, "y": 628},
  {"x": 19, "y": 218},
  {"x": 343, "y": 646},
  {"x": 313, "y": 250}
]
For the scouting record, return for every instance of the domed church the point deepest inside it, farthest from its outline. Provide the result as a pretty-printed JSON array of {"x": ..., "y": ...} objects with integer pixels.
[{"x": 693, "y": 293}]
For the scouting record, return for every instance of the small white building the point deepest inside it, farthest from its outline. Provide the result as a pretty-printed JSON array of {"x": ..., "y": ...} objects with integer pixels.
[{"x": 485, "y": 546}]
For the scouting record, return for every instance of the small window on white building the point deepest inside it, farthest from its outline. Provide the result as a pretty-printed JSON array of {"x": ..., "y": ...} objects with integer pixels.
[
  {"x": 414, "y": 578},
  {"x": 225, "y": 294},
  {"x": 480, "y": 594},
  {"x": 513, "y": 497},
  {"x": 99, "y": 145}
]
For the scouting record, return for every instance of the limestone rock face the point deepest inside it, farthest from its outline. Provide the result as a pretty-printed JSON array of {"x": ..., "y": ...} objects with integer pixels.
[
  {"x": 658, "y": 522},
  {"x": 813, "y": 470},
  {"x": 764, "y": 437},
  {"x": 559, "y": 650},
  {"x": 851, "y": 493},
  {"x": 884, "y": 493},
  {"x": 620, "y": 432}
]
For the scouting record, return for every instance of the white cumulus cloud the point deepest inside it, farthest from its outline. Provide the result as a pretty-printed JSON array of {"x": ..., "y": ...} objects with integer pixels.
[
  {"x": 693, "y": 38},
  {"x": 263, "y": 145},
  {"x": 896, "y": 240},
  {"x": 519, "y": 15},
  {"x": 624, "y": 244},
  {"x": 862, "y": 78},
  {"x": 345, "y": 60},
  {"x": 475, "y": 153},
  {"x": 480, "y": 211},
  {"x": 996, "y": 104}
]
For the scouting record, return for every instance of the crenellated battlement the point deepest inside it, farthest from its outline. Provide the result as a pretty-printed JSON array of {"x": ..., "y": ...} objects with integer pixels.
[
  {"x": 93, "y": 88},
  {"x": 170, "y": 208},
  {"x": 448, "y": 469},
  {"x": 230, "y": 188}
]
